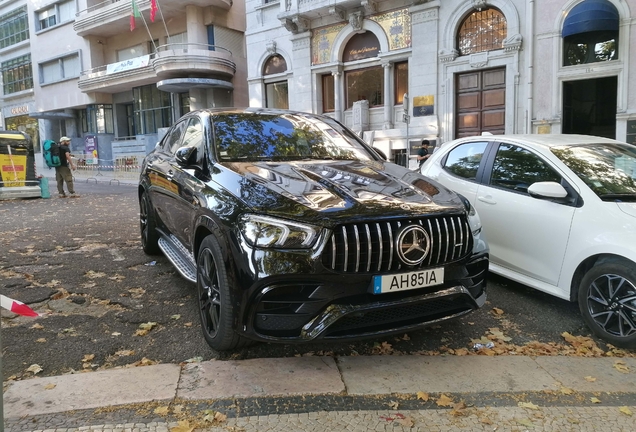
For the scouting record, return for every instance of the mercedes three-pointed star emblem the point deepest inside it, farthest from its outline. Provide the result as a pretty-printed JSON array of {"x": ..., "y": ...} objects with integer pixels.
[{"x": 413, "y": 245}]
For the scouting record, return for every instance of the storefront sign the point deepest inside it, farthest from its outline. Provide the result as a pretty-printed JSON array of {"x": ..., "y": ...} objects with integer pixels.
[
  {"x": 125, "y": 65},
  {"x": 20, "y": 110},
  {"x": 361, "y": 46},
  {"x": 423, "y": 105},
  {"x": 90, "y": 148}
]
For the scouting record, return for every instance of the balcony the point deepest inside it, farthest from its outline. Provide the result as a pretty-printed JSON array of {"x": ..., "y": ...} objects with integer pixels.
[
  {"x": 180, "y": 60},
  {"x": 112, "y": 17},
  {"x": 310, "y": 9}
]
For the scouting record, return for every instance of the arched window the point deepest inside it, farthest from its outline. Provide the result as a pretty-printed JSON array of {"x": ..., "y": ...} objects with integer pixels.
[
  {"x": 590, "y": 33},
  {"x": 483, "y": 30},
  {"x": 276, "y": 90}
]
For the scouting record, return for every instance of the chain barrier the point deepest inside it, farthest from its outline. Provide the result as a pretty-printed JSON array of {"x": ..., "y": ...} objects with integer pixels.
[{"x": 125, "y": 168}]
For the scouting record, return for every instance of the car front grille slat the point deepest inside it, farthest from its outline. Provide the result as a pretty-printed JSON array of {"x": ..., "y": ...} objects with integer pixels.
[{"x": 366, "y": 247}]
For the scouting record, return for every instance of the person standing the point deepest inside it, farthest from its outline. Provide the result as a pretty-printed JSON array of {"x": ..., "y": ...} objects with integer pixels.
[
  {"x": 63, "y": 172},
  {"x": 422, "y": 153}
]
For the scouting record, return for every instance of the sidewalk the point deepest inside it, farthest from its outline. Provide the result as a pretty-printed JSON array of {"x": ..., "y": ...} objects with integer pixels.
[{"x": 345, "y": 393}]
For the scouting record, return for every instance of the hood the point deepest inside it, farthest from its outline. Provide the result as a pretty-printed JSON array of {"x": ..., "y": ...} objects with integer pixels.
[
  {"x": 340, "y": 188},
  {"x": 629, "y": 208}
]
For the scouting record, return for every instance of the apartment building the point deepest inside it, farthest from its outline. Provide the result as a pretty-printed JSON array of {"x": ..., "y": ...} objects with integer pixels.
[
  {"x": 399, "y": 71},
  {"x": 114, "y": 74}
]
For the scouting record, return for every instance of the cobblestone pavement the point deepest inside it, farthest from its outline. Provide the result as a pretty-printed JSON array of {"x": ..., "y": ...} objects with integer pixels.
[{"x": 559, "y": 419}]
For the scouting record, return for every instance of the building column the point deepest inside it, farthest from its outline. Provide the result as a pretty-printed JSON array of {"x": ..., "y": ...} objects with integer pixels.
[
  {"x": 388, "y": 99},
  {"x": 336, "y": 96},
  {"x": 195, "y": 27}
]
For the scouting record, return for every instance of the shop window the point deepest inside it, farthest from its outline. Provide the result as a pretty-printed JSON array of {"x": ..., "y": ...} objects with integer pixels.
[
  {"x": 365, "y": 84},
  {"x": 483, "y": 30},
  {"x": 276, "y": 93},
  {"x": 97, "y": 119},
  {"x": 590, "y": 47},
  {"x": 401, "y": 81},
  {"x": 328, "y": 96},
  {"x": 60, "y": 69},
  {"x": 17, "y": 74},
  {"x": 130, "y": 52},
  {"x": 14, "y": 27},
  {"x": 152, "y": 109}
]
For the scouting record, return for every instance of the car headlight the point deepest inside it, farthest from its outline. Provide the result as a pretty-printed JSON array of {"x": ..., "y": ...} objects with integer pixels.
[
  {"x": 269, "y": 232},
  {"x": 473, "y": 218}
]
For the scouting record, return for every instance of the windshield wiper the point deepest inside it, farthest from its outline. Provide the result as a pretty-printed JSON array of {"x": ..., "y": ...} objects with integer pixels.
[{"x": 619, "y": 197}]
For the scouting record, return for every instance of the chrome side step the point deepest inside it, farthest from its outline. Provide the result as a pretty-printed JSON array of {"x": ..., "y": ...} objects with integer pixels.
[{"x": 179, "y": 257}]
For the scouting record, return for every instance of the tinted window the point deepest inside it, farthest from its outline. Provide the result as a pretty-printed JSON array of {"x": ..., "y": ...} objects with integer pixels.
[
  {"x": 516, "y": 168},
  {"x": 173, "y": 140},
  {"x": 464, "y": 160}
]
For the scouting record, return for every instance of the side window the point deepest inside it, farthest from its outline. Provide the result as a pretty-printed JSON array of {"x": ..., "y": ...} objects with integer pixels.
[
  {"x": 464, "y": 160},
  {"x": 173, "y": 140},
  {"x": 193, "y": 137},
  {"x": 516, "y": 168}
]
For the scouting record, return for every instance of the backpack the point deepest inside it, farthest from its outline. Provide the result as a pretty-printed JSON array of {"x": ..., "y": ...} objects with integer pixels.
[{"x": 51, "y": 153}]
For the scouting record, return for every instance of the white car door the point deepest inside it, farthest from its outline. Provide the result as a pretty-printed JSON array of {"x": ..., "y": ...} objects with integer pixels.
[{"x": 525, "y": 234}]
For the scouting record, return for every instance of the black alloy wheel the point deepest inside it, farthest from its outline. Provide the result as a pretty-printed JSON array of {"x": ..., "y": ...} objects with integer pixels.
[
  {"x": 215, "y": 306},
  {"x": 147, "y": 225},
  {"x": 607, "y": 300}
]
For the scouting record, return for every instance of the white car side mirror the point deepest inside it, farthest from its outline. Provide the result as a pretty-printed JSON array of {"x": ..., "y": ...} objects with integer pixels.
[{"x": 547, "y": 189}]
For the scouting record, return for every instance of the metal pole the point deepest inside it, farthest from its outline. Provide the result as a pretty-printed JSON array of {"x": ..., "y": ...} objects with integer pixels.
[
  {"x": 2, "y": 381},
  {"x": 407, "y": 120}
]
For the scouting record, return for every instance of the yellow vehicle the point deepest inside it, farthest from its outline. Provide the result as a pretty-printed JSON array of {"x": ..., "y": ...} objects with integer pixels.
[{"x": 17, "y": 166}]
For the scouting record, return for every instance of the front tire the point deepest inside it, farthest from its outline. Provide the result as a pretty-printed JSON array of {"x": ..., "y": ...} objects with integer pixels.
[
  {"x": 215, "y": 306},
  {"x": 148, "y": 226},
  {"x": 607, "y": 300}
]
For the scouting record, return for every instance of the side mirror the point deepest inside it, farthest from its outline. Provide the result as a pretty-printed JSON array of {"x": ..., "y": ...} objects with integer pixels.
[
  {"x": 186, "y": 156},
  {"x": 547, "y": 189}
]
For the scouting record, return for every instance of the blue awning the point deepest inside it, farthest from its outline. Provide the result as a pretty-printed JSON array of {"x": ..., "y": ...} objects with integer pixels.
[{"x": 591, "y": 15}]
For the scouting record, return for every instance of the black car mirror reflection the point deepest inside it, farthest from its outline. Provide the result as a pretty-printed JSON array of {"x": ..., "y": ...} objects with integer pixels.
[{"x": 186, "y": 156}]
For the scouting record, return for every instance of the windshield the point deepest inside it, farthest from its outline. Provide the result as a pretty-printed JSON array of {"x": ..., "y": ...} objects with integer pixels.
[
  {"x": 608, "y": 169},
  {"x": 259, "y": 136}
]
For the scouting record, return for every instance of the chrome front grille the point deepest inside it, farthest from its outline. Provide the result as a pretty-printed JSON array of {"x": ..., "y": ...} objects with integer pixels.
[{"x": 371, "y": 247}]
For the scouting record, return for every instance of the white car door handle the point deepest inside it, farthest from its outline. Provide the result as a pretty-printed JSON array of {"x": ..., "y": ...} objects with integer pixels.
[{"x": 487, "y": 199}]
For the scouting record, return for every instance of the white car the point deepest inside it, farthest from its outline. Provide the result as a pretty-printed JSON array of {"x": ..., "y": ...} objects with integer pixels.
[{"x": 559, "y": 214}]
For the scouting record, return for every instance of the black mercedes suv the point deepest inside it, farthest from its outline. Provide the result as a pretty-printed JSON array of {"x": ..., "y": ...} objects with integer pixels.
[{"x": 294, "y": 230}]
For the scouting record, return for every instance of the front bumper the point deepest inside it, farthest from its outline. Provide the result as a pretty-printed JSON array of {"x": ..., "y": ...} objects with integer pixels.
[{"x": 343, "y": 308}]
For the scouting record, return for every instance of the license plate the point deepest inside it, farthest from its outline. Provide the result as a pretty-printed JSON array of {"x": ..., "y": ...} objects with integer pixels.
[{"x": 407, "y": 281}]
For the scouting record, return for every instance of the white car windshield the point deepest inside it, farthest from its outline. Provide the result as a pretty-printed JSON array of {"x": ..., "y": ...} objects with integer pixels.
[
  {"x": 277, "y": 137},
  {"x": 608, "y": 169}
]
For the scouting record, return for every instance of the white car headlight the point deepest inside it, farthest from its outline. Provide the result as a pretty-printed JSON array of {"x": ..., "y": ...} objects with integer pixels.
[{"x": 269, "y": 232}]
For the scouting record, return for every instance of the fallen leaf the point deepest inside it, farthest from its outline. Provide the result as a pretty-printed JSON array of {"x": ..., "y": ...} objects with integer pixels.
[
  {"x": 147, "y": 326},
  {"x": 220, "y": 417},
  {"x": 497, "y": 311},
  {"x": 590, "y": 379},
  {"x": 115, "y": 334},
  {"x": 88, "y": 358},
  {"x": 528, "y": 405},
  {"x": 125, "y": 353},
  {"x": 141, "y": 332},
  {"x": 444, "y": 401},
  {"x": 595, "y": 400},
  {"x": 49, "y": 386},
  {"x": 41, "y": 340},
  {"x": 177, "y": 409},
  {"x": 621, "y": 366},
  {"x": 182, "y": 426},
  {"x": 37, "y": 326},
  {"x": 498, "y": 334},
  {"x": 93, "y": 275},
  {"x": 486, "y": 420},
  {"x": 162, "y": 410},
  {"x": 566, "y": 391},
  {"x": 459, "y": 409},
  {"x": 175, "y": 317},
  {"x": 35, "y": 369},
  {"x": 406, "y": 422},
  {"x": 188, "y": 324},
  {"x": 525, "y": 422},
  {"x": 625, "y": 410},
  {"x": 394, "y": 405},
  {"x": 573, "y": 420},
  {"x": 422, "y": 396}
]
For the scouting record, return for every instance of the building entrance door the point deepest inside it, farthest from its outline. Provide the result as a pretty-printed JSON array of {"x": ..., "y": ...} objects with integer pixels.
[
  {"x": 480, "y": 102},
  {"x": 589, "y": 107}
]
